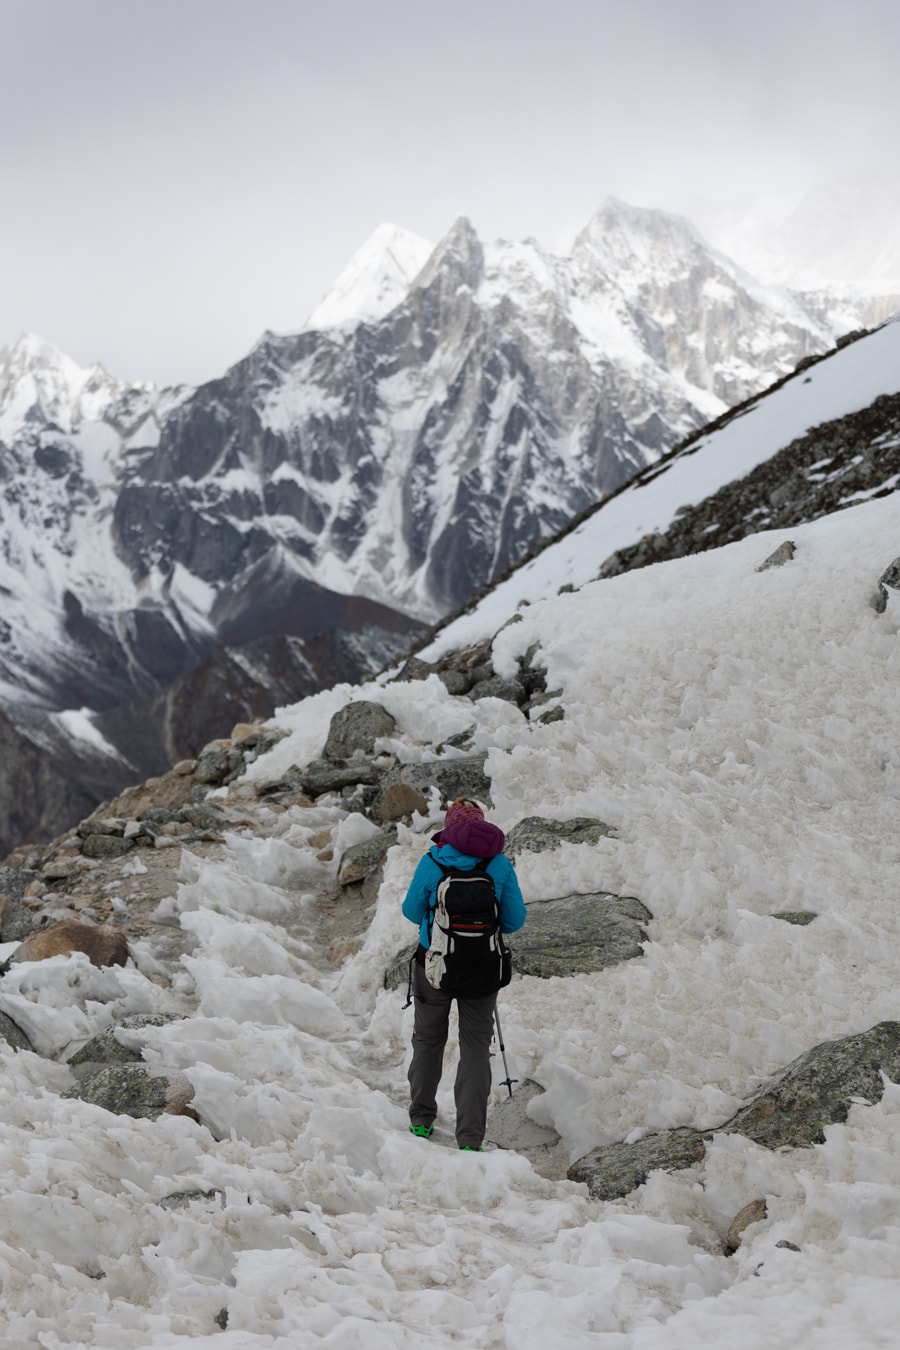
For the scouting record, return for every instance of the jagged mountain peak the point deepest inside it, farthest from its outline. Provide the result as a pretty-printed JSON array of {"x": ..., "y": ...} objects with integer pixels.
[
  {"x": 624, "y": 238},
  {"x": 458, "y": 258},
  {"x": 41, "y": 384},
  {"x": 375, "y": 279}
]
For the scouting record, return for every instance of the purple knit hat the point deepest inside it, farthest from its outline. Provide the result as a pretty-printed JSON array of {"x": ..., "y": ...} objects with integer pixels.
[
  {"x": 466, "y": 829},
  {"x": 462, "y": 809}
]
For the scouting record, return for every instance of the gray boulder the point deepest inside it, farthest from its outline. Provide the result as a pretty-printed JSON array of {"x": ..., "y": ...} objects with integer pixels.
[
  {"x": 203, "y": 816},
  {"x": 537, "y": 834},
  {"x": 579, "y": 934},
  {"x": 510, "y": 1126},
  {"x": 106, "y": 1048},
  {"x": 889, "y": 577},
  {"x": 452, "y": 777},
  {"x": 455, "y": 681},
  {"x": 103, "y": 826},
  {"x": 105, "y": 846},
  {"x": 213, "y": 766},
  {"x": 13, "y": 1034},
  {"x": 814, "y": 1090},
  {"x": 414, "y": 669},
  {"x": 783, "y": 554},
  {"x": 613, "y": 1170},
  {"x": 17, "y": 919},
  {"x": 361, "y": 859},
  {"x": 132, "y": 1090},
  {"x": 357, "y": 727},
  {"x": 797, "y": 916},
  {"x": 321, "y": 776},
  {"x": 512, "y": 690}
]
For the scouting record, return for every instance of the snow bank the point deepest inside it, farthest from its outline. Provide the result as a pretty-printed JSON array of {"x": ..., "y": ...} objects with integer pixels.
[{"x": 740, "y": 731}]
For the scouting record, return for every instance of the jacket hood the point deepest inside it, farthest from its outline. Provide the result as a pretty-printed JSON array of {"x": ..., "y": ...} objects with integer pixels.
[{"x": 477, "y": 838}]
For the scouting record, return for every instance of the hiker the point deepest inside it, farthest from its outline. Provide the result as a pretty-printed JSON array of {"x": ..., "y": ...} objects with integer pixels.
[{"x": 467, "y": 844}]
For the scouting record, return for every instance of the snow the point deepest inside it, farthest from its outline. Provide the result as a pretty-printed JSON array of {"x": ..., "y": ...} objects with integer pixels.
[
  {"x": 79, "y": 724},
  {"x": 850, "y": 379},
  {"x": 740, "y": 730},
  {"x": 376, "y": 278}
]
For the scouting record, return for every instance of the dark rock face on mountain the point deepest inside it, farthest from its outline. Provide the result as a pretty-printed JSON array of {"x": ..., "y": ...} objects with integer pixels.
[
  {"x": 833, "y": 466},
  {"x": 426, "y": 451}
]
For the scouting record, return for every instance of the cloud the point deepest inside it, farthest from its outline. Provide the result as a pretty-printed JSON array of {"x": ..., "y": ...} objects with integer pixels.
[{"x": 177, "y": 177}]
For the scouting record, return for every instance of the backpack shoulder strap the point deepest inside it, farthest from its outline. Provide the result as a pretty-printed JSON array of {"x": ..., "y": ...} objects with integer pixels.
[{"x": 444, "y": 871}]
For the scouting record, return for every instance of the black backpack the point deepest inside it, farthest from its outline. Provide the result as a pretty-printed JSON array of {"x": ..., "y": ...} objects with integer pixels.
[{"x": 467, "y": 955}]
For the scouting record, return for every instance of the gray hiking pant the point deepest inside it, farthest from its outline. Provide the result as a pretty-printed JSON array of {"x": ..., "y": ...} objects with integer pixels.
[{"x": 473, "y": 1076}]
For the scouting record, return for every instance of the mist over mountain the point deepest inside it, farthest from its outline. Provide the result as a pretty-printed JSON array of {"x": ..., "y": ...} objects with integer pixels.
[{"x": 294, "y": 522}]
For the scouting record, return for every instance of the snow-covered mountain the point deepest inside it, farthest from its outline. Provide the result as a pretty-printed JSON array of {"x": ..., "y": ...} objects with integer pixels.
[
  {"x": 290, "y": 523},
  {"x": 825, "y": 438}
]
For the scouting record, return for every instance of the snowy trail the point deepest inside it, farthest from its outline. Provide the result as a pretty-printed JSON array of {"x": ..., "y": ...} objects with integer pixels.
[{"x": 740, "y": 730}]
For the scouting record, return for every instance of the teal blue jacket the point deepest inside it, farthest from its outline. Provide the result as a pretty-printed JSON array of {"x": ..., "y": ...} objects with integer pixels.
[{"x": 422, "y": 894}]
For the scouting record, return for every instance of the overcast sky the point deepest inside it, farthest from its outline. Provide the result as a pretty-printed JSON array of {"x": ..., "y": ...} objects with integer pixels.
[{"x": 177, "y": 176}]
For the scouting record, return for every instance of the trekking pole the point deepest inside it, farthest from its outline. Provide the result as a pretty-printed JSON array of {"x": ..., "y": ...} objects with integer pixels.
[{"x": 507, "y": 1082}]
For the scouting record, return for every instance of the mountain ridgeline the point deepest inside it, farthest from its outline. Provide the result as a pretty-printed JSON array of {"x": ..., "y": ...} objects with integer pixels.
[{"x": 173, "y": 561}]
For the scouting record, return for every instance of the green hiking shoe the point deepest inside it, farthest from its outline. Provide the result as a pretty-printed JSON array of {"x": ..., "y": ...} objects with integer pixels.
[
  {"x": 422, "y": 1131},
  {"x": 467, "y": 1148}
]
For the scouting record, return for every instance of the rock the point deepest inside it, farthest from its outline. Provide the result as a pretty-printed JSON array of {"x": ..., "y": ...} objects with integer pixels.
[
  {"x": 247, "y": 734},
  {"x": 613, "y": 1170},
  {"x": 554, "y": 715},
  {"x": 579, "y": 934},
  {"x": 455, "y": 681},
  {"x": 798, "y": 916},
  {"x": 360, "y": 798},
  {"x": 536, "y": 834},
  {"x": 106, "y": 1048},
  {"x": 132, "y": 1090},
  {"x": 357, "y": 727},
  {"x": 397, "y": 801},
  {"x": 61, "y": 868},
  {"x": 213, "y": 766},
  {"x": 13, "y": 1035},
  {"x": 17, "y": 920},
  {"x": 360, "y": 859},
  {"x": 397, "y": 974},
  {"x": 321, "y": 775},
  {"x": 452, "y": 777},
  {"x": 184, "y": 1199},
  {"x": 413, "y": 669},
  {"x": 513, "y": 691},
  {"x": 184, "y": 767},
  {"x": 106, "y": 846},
  {"x": 783, "y": 554},
  {"x": 106, "y": 826},
  {"x": 162, "y": 815},
  {"x": 791, "y": 1246},
  {"x": 818, "y": 1088},
  {"x": 510, "y": 1126},
  {"x": 889, "y": 577},
  {"x": 755, "y": 1212},
  {"x": 814, "y": 1090},
  {"x": 203, "y": 816},
  {"x": 104, "y": 946}
]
